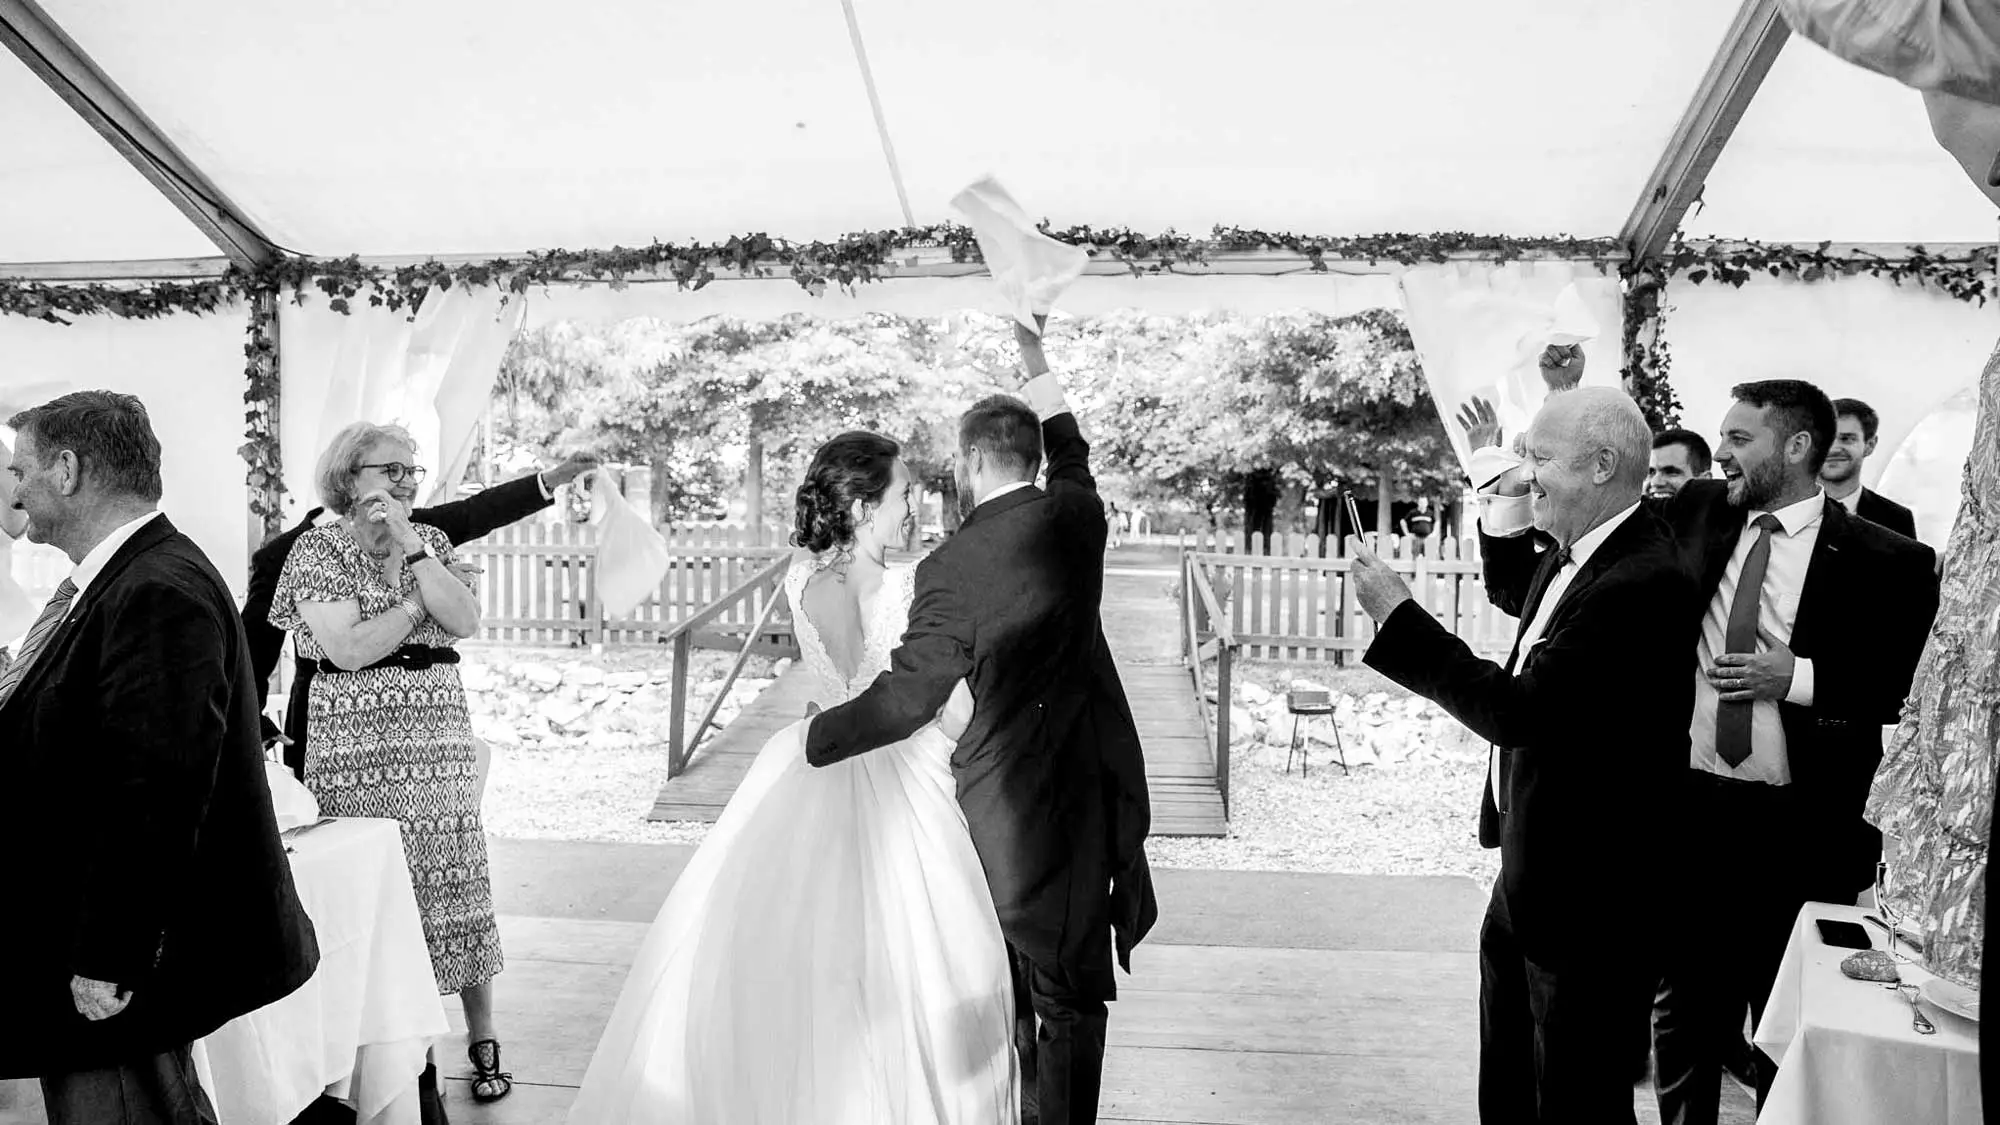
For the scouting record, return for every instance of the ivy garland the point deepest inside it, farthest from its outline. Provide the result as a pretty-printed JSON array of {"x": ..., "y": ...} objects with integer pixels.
[
  {"x": 859, "y": 258},
  {"x": 260, "y": 414}
]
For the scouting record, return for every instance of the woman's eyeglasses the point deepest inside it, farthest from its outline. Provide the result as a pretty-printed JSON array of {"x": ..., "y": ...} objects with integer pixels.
[{"x": 397, "y": 472}]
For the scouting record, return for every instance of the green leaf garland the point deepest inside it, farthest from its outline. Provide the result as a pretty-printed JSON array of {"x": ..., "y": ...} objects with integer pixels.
[{"x": 866, "y": 257}]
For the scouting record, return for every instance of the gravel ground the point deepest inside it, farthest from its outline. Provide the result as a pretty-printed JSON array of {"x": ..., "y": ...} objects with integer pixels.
[
  {"x": 571, "y": 791},
  {"x": 1407, "y": 819},
  {"x": 1415, "y": 818}
]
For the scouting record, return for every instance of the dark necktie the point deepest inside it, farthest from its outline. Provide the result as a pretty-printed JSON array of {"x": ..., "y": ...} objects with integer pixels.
[
  {"x": 38, "y": 635},
  {"x": 1732, "y": 720},
  {"x": 1553, "y": 562}
]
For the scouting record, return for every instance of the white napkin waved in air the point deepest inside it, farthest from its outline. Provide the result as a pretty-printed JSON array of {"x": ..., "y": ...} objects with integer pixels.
[
  {"x": 1030, "y": 268},
  {"x": 632, "y": 558}
]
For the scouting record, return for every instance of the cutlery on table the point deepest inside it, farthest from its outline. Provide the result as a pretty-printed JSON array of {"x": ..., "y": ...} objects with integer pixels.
[{"x": 1919, "y": 1022}]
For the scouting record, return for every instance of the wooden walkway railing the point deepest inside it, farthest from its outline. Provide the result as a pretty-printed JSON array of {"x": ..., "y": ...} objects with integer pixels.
[
  {"x": 1205, "y": 630},
  {"x": 764, "y": 589}
]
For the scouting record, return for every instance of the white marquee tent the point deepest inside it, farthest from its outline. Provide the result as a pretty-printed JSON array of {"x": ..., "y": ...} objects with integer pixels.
[{"x": 479, "y": 129}]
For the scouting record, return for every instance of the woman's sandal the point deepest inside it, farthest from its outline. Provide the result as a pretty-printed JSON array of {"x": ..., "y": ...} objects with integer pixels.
[{"x": 489, "y": 1082}]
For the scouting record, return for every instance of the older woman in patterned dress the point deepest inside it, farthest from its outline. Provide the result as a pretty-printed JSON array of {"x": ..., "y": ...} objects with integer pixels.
[{"x": 372, "y": 598}]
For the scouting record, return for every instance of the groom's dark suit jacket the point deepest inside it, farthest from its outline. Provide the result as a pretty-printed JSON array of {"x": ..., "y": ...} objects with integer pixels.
[
  {"x": 139, "y": 845},
  {"x": 1049, "y": 771},
  {"x": 1593, "y": 726},
  {"x": 1863, "y": 616}
]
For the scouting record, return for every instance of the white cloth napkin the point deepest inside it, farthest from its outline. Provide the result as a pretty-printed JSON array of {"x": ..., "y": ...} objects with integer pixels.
[
  {"x": 292, "y": 801},
  {"x": 632, "y": 558},
  {"x": 1487, "y": 464},
  {"x": 1030, "y": 268}
]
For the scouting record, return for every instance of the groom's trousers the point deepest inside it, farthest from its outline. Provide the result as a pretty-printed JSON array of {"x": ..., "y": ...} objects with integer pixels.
[{"x": 1059, "y": 1035}]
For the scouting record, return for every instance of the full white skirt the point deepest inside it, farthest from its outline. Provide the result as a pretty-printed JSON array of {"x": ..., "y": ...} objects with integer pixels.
[{"x": 830, "y": 956}]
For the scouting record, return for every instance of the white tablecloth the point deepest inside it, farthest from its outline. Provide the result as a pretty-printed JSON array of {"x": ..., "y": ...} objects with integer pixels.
[
  {"x": 359, "y": 1028},
  {"x": 1845, "y": 1049}
]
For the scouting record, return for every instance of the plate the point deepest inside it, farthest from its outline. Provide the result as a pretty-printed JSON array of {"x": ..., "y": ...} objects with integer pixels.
[{"x": 1954, "y": 998}]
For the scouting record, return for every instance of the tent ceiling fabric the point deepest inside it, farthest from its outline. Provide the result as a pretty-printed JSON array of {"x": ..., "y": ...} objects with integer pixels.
[
  {"x": 491, "y": 126},
  {"x": 1828, "y": 150},
  {"x": 66, "y": 195}
]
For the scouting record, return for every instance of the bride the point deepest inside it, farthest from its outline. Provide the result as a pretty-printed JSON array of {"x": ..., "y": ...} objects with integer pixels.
[{"x": 831, "y": 955}]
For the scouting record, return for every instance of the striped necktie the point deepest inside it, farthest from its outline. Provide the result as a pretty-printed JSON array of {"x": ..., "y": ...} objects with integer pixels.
[{"x": 44, "y": 627}]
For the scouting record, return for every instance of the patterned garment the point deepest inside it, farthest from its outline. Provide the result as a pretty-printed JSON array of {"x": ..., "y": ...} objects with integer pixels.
[
  {"x": 1934, "y": 790},
  {"x": 397, "y": 742}
]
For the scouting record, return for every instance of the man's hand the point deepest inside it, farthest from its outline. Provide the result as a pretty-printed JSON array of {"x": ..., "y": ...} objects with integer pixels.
[
  {"x": 1480, "y": 423},
  {"x": 1562, "y": 366},
  {"x": 572, "y": 467},
  {"x": 1741, "y": 677},
  {"x": 1378, "y": 589},
  {"x": 96, "y": 999}
]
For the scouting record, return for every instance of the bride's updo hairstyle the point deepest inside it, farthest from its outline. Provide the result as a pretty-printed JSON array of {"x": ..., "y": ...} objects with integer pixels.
[{"x": 857, "y": 465}]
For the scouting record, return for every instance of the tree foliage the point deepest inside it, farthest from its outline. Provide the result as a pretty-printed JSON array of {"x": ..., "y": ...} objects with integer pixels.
[{"x": 1183, "y": 408}]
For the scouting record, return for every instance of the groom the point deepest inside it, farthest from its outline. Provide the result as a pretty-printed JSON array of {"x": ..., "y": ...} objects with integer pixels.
[{"x": 1049, "y": 771}]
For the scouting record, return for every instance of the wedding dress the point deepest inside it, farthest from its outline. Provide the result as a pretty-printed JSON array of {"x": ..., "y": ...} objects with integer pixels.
[{"x": 830, "y": 955}]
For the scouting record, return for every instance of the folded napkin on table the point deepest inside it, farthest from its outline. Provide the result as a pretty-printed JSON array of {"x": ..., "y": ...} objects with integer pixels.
[{"x": 291, "y": 800}]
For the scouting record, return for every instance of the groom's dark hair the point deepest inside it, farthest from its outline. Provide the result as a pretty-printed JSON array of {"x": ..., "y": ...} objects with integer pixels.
[{"x": 1007, "y": 431}]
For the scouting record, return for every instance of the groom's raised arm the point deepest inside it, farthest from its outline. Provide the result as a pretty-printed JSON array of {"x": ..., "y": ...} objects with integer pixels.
[
  {"x": 1066, "y": 453},
  {"x": 935, "y": 655}
]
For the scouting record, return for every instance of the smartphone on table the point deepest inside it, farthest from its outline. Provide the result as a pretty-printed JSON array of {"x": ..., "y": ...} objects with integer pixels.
[{"x": 1843, "y": 935}]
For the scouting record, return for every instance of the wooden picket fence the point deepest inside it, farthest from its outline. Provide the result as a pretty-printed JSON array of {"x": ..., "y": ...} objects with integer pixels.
[
  {"x": 1284, "y": 601},
  {"x": 539, "y": 587}
]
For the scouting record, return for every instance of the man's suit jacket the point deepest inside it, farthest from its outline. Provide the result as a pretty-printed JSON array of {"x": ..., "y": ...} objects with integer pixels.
[
  {"x": 461, "y": 521},
  {"x": 1877, "y": 508},
  {"x": 1864, "y": 614},
  {"x": 1592, "y": 723},
  {"x": 139, "y": 845},
  {"x": 1050, "y": 771}
]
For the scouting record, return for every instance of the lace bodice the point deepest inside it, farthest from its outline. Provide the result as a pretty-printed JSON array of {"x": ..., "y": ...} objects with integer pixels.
[{"x": 883, "y": 626}]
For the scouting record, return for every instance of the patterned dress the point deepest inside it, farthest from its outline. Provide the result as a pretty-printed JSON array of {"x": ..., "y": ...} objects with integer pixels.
[
  {"x": 397, "y": 742},
  {"x": 1934, "y": 790}
]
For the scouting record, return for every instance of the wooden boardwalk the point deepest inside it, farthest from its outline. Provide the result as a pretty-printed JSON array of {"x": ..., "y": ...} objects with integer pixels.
[
  {"x": 719, "y": 765},
  {"x": 1180, "y": 767},
  {"x": 1180, "y": 771}
]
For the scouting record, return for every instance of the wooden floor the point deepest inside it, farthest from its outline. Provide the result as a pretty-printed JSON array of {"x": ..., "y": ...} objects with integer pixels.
[
  {"x": 1260, "y": 999},
  {"x": 1179, "y": 769}
]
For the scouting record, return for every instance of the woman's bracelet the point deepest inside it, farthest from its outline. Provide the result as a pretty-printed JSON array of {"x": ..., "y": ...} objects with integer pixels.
[{"x": 415, "y": 612}]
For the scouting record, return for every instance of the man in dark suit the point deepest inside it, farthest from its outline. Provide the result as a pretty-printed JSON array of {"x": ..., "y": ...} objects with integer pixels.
[
  {"x": 1679, "y": 456},
  {"x": 1050, "y": 771},
  {"x": 1855, "y": 426},
  {"x": 1588, "y": 719},
  {"x": 1793, "y": 682},
  {"x": 461, "y": 521},
  {"x": 149, "y": 897},
  {"x": 1796, "y": 676}
]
